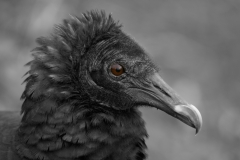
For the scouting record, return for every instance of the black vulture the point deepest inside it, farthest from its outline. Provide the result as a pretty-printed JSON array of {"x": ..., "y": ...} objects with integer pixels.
[{"x": 85, "y": 85}]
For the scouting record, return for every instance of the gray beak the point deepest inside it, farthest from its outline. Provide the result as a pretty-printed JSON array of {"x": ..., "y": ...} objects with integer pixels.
[{"x": 158, "y": 94}]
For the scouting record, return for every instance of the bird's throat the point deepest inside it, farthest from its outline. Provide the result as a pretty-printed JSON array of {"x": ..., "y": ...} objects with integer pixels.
[{"x": 83, "y": 132}]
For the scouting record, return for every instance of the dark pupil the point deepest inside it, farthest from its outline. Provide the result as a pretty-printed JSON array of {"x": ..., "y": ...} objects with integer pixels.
[{"x": 118, "y": 69}]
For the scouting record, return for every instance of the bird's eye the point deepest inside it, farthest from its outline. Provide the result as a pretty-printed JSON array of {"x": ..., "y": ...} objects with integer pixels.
[{"x": 117, "y": 69}]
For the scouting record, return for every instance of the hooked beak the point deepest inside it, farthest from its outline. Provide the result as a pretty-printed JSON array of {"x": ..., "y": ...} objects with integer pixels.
[{"x": 161, "y": 96}]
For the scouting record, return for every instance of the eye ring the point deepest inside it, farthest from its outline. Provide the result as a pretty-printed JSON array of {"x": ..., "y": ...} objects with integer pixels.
[{"x": 117, "y": 69}]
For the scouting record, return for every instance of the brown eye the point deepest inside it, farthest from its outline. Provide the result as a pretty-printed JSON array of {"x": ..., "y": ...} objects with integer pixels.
[{"x": 117, "y": 69}]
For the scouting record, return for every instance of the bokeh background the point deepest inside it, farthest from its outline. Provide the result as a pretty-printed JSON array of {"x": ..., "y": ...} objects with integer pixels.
[{"x": 195, "y": 43}]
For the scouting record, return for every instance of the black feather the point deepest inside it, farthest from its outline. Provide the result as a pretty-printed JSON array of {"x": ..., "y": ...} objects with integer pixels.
[{"x": 70, "y": 111}]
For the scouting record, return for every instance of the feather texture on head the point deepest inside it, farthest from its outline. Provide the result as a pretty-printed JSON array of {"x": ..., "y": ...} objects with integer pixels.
[{"x": 85, "y": 84}]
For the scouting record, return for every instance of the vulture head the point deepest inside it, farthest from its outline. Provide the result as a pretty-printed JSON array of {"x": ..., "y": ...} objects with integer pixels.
[{"x": 83, "y": 90}]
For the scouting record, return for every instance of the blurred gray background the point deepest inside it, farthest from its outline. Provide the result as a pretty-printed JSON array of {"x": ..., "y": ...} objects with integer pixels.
[{"x": 196, "y": 43}]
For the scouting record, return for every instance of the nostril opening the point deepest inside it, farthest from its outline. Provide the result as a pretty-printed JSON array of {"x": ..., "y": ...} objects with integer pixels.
[{"x": 162, "y": 90}]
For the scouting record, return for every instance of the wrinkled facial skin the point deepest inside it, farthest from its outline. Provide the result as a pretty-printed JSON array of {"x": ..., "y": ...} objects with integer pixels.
[
  {"x": 140, "y": 83},
  {"x": 126, "y": 53}
]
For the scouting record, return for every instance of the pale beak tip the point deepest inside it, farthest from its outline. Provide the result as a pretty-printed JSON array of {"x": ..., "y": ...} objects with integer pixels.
[
  {"x": 197, "y": 131},
  {"x": 199, "y": 121},
  {"x": 190, "y": 115}
]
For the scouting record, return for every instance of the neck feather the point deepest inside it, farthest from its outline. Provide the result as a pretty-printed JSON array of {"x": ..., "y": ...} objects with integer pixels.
[{"x": 81, "y": 130}]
